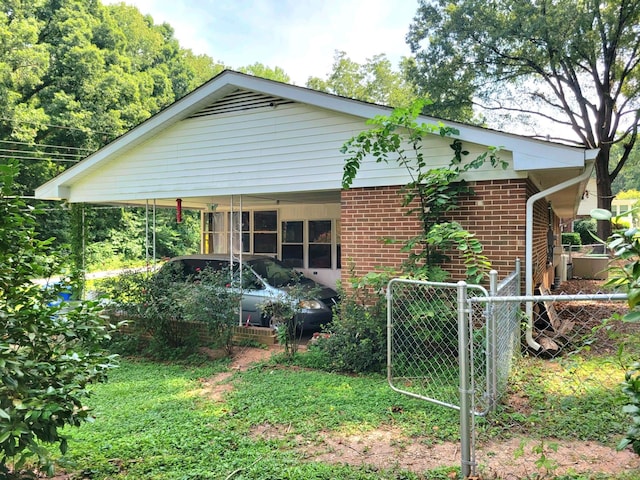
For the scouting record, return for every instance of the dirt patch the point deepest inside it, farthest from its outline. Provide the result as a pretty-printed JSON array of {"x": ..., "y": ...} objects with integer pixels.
[
  {"x": 217, "y": 386},
  {"x": 516, "y": 458}
]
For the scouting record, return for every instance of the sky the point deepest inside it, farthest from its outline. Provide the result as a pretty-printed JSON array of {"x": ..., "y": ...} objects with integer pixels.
[{"x": 299, "y": 36}]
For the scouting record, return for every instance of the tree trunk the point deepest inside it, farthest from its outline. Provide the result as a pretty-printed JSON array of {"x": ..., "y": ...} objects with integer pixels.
[{"x": 603, "y": 182}]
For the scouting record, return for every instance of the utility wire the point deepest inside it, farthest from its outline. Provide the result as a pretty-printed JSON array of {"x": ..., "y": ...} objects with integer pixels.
[
  {"x": 84, "y": 130},
  {"x": 57, "y": 154},
  {"x": 15, "y": 142}
]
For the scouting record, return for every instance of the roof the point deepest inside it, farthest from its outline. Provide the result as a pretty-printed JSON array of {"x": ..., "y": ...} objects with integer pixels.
[{"x": 528, "y": 155}]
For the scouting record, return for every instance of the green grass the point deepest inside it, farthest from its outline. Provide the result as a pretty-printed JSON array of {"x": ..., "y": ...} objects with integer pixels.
[
  {"x": 576, "y": 398},
  {"x": 153, "y": 422}
]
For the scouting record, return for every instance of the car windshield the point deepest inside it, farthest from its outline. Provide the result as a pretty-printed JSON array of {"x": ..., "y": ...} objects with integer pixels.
[{"x": 275, "y": 273}]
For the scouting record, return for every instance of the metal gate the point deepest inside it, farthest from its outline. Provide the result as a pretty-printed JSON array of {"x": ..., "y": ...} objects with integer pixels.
[
  {"x": 454, "y": 344},
  {"x": 448, "y": 345},
  {"x": 432, "y": 349}
]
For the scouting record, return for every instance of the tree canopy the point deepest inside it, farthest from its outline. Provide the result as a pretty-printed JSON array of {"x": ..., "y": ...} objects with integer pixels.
[
  {"x": 568, "y": 63},
  {"x": 374, "y": 81},
  {"x": 76, "y": 74}
]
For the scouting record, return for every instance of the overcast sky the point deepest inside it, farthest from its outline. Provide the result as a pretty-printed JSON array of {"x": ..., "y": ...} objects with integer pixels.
[{"x": 300, "y": 36}]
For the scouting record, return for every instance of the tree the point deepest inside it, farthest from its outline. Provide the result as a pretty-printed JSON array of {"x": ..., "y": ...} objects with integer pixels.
[
  {"x": 573, "y": 63},
  {"x": 49, "y": 355},
  {"x": 74, "y": 76},
  {"x": 263, "y": 71},
  {"x": 629, "y": 176},
  {"x": 374, "y": 81}
]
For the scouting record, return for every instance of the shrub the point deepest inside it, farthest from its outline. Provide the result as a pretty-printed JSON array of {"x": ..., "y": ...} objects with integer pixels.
[
  {"x": 210, "y": 302},
  {"x": 586, "y": 228},
  {"x": 49, "y": 352},
  {"x": 164, "y": 307},
  {"x": 571, "y": 238},
  {"x": 285, "y": 314},
  {"x": 357, "y": 336},
  {"x": 624, "y": 274}
]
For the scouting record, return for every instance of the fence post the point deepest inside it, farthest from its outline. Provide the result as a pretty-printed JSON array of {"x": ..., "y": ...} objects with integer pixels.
[
  {"x": 492, "y": 349},
  {"x": 465, "y": 380}
]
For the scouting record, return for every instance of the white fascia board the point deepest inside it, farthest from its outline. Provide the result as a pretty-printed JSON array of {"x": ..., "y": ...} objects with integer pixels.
[{"x": 528, "y": 153}]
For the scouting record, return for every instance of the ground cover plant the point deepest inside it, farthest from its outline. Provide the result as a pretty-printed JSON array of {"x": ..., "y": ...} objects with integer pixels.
[
  {"x": 277, "y": 420},
  {"x": 155, "y": 422}
]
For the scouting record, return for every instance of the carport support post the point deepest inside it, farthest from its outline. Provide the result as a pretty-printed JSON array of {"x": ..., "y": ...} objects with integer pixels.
[{"x": 465, "y": 390}]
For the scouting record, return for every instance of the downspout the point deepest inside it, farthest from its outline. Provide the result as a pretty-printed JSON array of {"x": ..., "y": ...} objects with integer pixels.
[{"x": 589, "y": 155}]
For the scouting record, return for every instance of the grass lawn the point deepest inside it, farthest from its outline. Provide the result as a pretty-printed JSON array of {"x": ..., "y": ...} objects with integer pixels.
[
  {"x": 153, "y": 422},
  {"x": 156, "y": 421}
]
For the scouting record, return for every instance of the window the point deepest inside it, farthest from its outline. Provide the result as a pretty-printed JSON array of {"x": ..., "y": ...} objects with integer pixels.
[
  {"x": 320, "y": 244},
  {"x": 214, "y": 233},
  {"x": 241, "y": 231},
  {"x": 265, "y": 232},
  {"x": 293, "y": 243}
]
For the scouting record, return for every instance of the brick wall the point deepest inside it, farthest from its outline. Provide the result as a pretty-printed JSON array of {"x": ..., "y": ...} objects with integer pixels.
[{"x": 495, "y": 213}]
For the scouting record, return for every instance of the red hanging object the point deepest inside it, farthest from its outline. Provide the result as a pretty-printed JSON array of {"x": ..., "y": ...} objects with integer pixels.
[{"x": 179, "y": 210}]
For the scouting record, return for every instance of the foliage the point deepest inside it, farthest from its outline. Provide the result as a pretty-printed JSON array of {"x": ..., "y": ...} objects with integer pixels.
[
  {"x": 587, "y": 230},
  {"x": 169, "y": 306},
  {"x": 632, "y": 194},
  {"x": 573, "y": 63},
  {"x": 571, "y": 238},
  {"x": 75, "y": 75},
  {"x": 356, "y": 340},
  {"x": 119, "y": 240},
  {"x": 629, "y": 177},
  {"x": 208, "y": 301},
  {"x": 50, "y": 352},
  {"x": 625, "y": 246},
  {"x": 625, "y": 272},
  {"x": 374, "y": 81},
  {"x": 631, "y": 388},
  {"x": 431, "y": 192},
  {"x": 285, "y": 313},
  {"x": 259, "y": 70}
]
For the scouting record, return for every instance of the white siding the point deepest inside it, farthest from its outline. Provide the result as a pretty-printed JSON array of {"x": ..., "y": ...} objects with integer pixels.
[{"x": 291, "y": 148}]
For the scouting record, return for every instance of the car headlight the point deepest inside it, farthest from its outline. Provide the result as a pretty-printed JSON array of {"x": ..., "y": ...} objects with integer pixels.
[{"x": 311, "y": 304}]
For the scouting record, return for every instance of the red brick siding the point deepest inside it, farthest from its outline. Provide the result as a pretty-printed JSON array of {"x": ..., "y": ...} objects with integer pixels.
[{"x": 495, "y": 213}]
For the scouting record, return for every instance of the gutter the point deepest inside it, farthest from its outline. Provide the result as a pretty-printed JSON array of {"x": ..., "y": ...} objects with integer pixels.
[{"x": 589, "y": 157}]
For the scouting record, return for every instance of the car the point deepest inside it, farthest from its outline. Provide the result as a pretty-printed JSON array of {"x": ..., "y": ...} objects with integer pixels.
[{"x": 264, "y": 279}]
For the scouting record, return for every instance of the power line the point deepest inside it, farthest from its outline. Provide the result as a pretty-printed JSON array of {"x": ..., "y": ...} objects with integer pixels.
[
  {"x": 15, "y": 142},
  {"x": 84, "y": 130},
  {"x": 20, "y": 157},
  {"x": 60, "y": 154},
  {"x": 42, "y": 151}
]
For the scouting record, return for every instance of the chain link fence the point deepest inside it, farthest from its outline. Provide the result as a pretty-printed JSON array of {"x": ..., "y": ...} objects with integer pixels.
[{"x": 447, "y": 342}]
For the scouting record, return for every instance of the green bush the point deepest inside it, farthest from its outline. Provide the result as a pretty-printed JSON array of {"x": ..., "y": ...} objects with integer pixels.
[
  {"x": 624, "y": 274},
  {"x": 571, "y": 238},
  {"x": 50, "y": 352},
  {"x": 356, "y": 340},
  {"x": 164, "y": 307},
  {"x": 587, "y": 229}
]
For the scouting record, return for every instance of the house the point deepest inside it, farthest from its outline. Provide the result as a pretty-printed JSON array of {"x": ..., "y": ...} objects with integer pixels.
[
  {"x": 619, "y": 206},
  {"x": 261, "y": 160}
]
